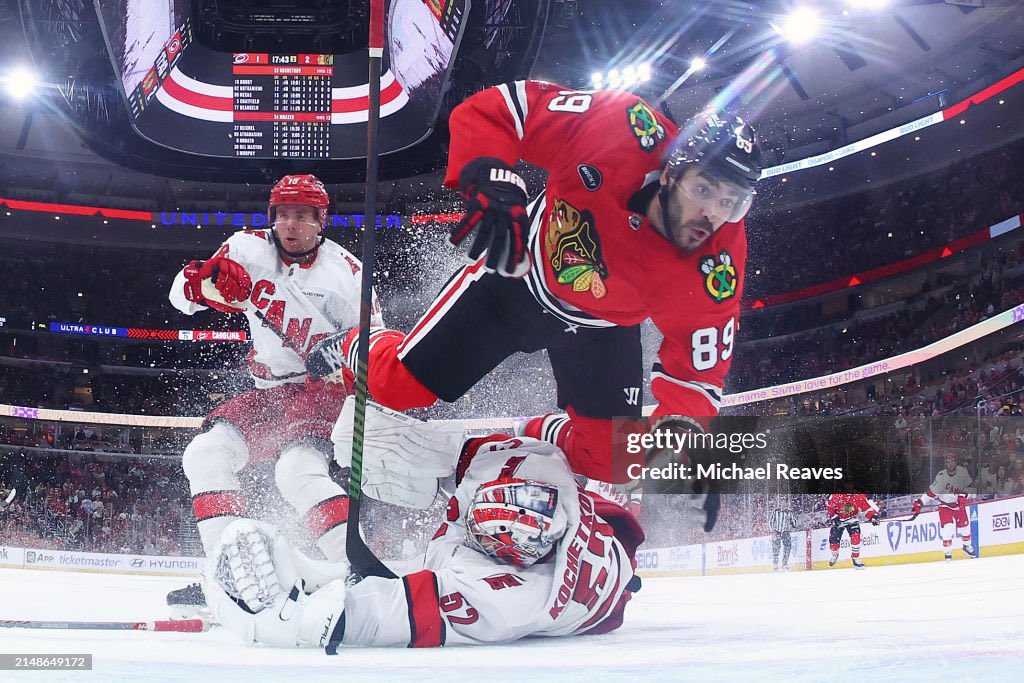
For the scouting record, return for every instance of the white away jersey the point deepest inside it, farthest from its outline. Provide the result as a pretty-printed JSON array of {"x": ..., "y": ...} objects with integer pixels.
[
  {"x": 948, "y": 487},
  {"x": 306, "y": 302},
  {"x": 463, "y": 596}
]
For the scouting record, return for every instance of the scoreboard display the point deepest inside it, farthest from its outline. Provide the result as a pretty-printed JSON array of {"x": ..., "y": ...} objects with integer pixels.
[
  {"x": 285, "y": 106},
  {"x": 282, "y": 105}
]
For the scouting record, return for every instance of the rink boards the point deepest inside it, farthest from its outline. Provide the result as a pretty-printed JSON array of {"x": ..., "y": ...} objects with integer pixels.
[{"x": 997, "y": 528}]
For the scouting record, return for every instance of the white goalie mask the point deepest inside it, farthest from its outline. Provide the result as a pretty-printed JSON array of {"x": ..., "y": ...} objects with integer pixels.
[{"x": 516, "y": 521}]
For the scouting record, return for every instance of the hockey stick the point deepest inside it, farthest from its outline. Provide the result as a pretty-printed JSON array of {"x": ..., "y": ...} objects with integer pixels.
[
  {"x": 176, "y": 625},
  {"x": 362, "y": 560}
]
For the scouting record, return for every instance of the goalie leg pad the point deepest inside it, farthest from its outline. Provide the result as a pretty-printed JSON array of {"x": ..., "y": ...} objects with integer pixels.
[{"x": 402, "y": 457}]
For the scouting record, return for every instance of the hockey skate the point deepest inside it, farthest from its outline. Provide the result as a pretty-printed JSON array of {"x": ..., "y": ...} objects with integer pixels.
[
  {"x": 833, "y": 561},
  {"x": 949, "y": 557},
  {"x": 969, "y": 551},
  {"x": 857, "y": 564},
  {"x": 188, "y": 603}
]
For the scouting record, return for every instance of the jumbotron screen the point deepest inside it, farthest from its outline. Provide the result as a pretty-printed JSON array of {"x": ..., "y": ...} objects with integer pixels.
[{"x": 190, "y": 98}]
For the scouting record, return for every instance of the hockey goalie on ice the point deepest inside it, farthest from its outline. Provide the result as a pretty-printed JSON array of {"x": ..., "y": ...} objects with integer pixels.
[{"x": 522, "y": 551}]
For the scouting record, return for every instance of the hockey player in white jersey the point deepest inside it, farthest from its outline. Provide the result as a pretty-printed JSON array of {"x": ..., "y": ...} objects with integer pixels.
[
  {"x": 950, "y": 487},
  {"x": 522, "y": 551},
  {"x": 295, "y": 287}
]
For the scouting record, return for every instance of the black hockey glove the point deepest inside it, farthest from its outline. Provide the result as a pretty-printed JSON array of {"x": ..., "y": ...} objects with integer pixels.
[
  {"x": 701, "y": 499},
  {"x": 496, "y": 208},
  {"x": 834, "y": 521},
  {"x": 876, "y": 520}
]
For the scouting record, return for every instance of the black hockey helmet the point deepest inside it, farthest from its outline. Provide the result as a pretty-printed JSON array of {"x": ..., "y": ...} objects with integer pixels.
[{"x": 723, "y": 143}]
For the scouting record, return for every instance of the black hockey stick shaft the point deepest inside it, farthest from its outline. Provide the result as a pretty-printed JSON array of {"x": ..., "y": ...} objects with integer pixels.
[{"x": 360, "y": 557}]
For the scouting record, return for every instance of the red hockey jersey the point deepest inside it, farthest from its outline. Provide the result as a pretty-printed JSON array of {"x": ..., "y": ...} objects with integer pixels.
[
  {"x": 596, "y": 261},
  {"x": 848, "y": 506}
]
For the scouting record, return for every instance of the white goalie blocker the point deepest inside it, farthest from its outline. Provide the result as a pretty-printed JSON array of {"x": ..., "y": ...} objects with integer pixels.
[{"x": 403, "y": 458}]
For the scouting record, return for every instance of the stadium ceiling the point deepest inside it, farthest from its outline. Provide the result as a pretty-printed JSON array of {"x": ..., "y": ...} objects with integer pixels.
[{"x": 867, "y": 71}]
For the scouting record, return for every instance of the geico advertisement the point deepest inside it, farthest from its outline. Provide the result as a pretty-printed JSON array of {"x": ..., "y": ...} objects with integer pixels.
[
  {"x": 1001, "y": 521},
  {"x": 898, "y": 537},
  {"x": 676, "y": 559}
]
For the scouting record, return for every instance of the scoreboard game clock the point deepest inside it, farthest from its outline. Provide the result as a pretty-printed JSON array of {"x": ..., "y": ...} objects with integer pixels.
[{"x": 254, "y": 105}]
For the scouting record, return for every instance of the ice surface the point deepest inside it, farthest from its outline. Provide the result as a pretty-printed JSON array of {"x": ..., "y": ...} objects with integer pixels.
[{"x": 950, "y": 622}]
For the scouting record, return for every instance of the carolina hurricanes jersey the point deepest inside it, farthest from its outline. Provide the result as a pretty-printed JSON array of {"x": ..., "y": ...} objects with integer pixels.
[
  {"x": 463, "y": 596},
  {"x": 848, "y": 507},
  {"x": 596, "y": 261},
  {"x": 949, "y": 487},
  {"x": 305, "y": 302}
]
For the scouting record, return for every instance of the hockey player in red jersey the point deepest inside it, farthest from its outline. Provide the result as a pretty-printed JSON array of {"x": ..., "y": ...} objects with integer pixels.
[
  {"x": 522, "y": 551},
  {"x": 295, "y": 288},
  {"x": 844, "y": 513},
  {"x": 950, "y": 487},
  {"x": 638, "y": 220}
]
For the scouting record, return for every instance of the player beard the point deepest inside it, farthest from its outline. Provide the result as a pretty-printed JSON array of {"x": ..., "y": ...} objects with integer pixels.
[{"x": 692, "y": 234}]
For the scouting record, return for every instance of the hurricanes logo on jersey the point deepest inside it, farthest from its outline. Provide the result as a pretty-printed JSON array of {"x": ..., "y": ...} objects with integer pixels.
[
  {"x": 720, "y": 279},
  {"x": 644, "y": 125},
  {"x": 575, "y": 249}
]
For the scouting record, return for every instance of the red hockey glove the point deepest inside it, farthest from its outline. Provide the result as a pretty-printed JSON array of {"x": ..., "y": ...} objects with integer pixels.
[
  {"x": 231, "y": 281},
  {"x": 193, "y": 283},
  {"x": 916, "y": 507},
  {"x": 496, "y": 208}
]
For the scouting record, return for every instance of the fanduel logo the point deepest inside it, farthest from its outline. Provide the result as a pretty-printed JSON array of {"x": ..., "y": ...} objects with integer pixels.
[{"x": 895, "y": 533}]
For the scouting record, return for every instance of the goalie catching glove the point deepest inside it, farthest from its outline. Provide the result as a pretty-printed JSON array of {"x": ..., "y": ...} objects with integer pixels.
[
  {"x": 403, "y": 457},
  {"x": 258, "y": 590},
  {"x": 220, "y": 283},
  {"x": 496, "y": 208}
]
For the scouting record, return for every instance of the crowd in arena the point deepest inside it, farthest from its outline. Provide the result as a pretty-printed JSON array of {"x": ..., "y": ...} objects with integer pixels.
[
  {"x": 817, "y": 242},
  {"x": 94, "y": 504},
  {"x": 830, "y": 346}
]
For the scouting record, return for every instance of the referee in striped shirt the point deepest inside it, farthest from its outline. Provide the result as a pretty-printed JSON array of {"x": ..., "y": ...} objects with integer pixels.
[{"x": 781, "y": 521}]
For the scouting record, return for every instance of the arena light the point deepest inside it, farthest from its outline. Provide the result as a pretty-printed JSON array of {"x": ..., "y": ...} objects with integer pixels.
[
  {"x": 800, "y": 26},
  {"x": 20, "y": 83},
  {"x": 624, "y": 77},
  {"x": 698, "y": 64}
]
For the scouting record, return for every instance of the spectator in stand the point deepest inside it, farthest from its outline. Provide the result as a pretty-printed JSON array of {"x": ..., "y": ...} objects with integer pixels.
[
  {"x": 988, "y": 477},
  {"x": 1004, "y": 484}
]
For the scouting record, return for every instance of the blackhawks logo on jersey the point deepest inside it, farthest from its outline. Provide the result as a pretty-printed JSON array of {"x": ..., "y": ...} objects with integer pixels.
[
  {"x": 575, "y": 249},
  {"x": 644, "y": 125},
  {"x": 720, "y": 277}
]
